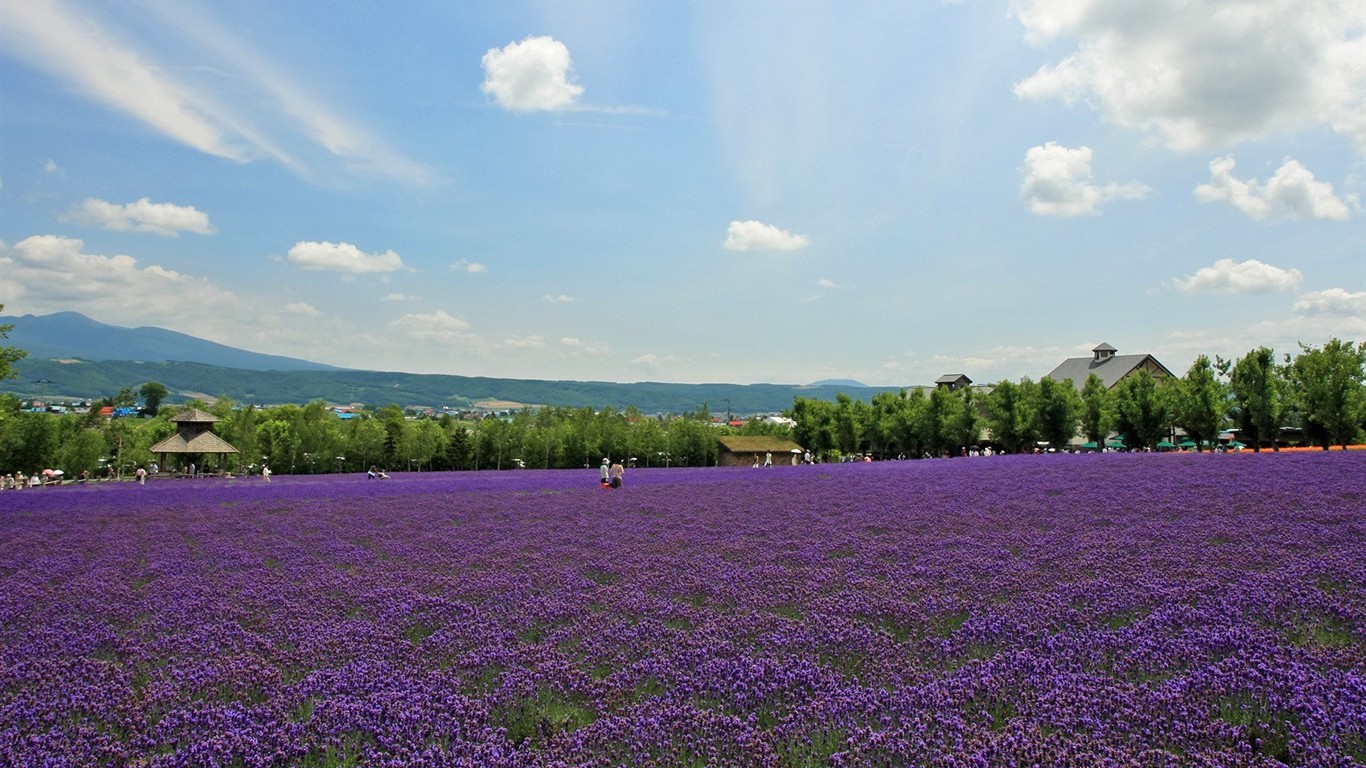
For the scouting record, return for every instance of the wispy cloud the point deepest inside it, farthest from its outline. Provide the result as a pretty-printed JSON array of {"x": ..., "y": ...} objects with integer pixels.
[
  {"x": 105, "y": 62},
  {"x": 471, "y": 267}
]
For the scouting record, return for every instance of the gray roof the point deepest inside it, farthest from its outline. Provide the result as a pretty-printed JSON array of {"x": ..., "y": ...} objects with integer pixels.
[
  {"x": 196, "y": 416},
  {"x": 1110, "y": 370},
  {"x": 952, "y": 378},
  {"x": 188, "y": 442}
]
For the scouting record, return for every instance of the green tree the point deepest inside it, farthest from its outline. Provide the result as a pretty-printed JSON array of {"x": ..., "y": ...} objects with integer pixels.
[
  {"x": 8, "y": 355},
  {"x": 815, "y": 424},
  {"x": 1057, "y": 413},
  {"x": 964, "y": 428},
  {"x": 889, "y": 412},
  {"x": 1200, "y": 402},
  {"x": 81, "y": 451},
  {"x": 1328, "y": 386},
  {"x": 1096, "y": 413},
  {"x": 1141, "y": 410},
  {"x": 458, "y": 447},
  {"x": 153, "y": 393},
  {"x": 936, "y": 421},
  {"x": 279, "y": 444},
  {"x": 851, "y": 418},
  {"x": 1259, "y": 397},
  {"x": 1010, "y": 415}
]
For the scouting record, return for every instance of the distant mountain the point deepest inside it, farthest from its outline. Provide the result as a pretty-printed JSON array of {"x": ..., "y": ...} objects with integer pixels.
[
  {"x": 61, "y": 379},
  {"x": 838, "y": 383},
  {"x": 65, "y": 335},
  {"x": 72, "y": 356}
]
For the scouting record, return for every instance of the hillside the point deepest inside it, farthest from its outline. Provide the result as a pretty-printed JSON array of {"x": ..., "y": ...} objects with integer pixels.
[
  {"x": 64, "y": 335},
  {"x": 86, "y": 379}
]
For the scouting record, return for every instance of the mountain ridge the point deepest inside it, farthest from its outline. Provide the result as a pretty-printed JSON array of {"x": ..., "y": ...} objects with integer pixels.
[
  {"x": 69, "y": 369},
  {"x": 73, "y": 335}
]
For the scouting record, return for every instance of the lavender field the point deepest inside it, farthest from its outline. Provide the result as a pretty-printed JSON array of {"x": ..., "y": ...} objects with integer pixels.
[{"x": 1101, "y": 610}]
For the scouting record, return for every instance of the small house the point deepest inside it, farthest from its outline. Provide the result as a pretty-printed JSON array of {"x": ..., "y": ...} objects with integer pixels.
[{"x": 748, "y": 450}]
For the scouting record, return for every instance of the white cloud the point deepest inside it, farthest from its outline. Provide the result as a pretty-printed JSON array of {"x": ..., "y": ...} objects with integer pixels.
[
  {"x": 1291, "y": 190},
  {"x": 48, "y": 273},
  {"x": 757, "y": 236},
  {"x": 302, "y": 309},
  {"x": 578, "y": 346},
  {"x": 472, "y": 267},
  {"x": 144, "y": 216},
  {"x": 557, "y": 298},
  {"x": 530, "y": 76},
  {"x": 400, "y": 297},
  {"x": 342, "y": 257},
  {"x": 1332, "y": 301},
  {"x": 438, "y": 326},
  {"x": 1251, "y": 276},
  {"x": 652, "y": 364},
  {"x": 1057, "y": 182},
  {"x": 51, "y": 166},
  {"x": 1201, "y": 75},
  {"x": 231, "y": 105},
  {"x": 826, "y": 282},
  {"x": 525, "y": 342}
]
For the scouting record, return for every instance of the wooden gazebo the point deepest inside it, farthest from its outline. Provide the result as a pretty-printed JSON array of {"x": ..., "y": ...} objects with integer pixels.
[{"x": 193, "y": 438}]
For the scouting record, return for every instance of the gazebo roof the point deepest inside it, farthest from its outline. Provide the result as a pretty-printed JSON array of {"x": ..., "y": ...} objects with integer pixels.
[
  {"x": 195, "y": 416},
  {"x": 201, "y": 442}
]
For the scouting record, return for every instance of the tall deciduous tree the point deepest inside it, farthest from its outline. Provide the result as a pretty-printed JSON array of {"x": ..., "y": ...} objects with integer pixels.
[
  {"x": 1200, "y": 402},
  {"x": 153, "y": 392},
  {"x": 1010, "y": 415},
  {"x": 1096, "y": 412},
  {"x": 1327, "y": 385},
  {"x": 1258, "y": 397},
  {"x": 1057, "y": 412},
  {"x": 1141, "y": 410}
]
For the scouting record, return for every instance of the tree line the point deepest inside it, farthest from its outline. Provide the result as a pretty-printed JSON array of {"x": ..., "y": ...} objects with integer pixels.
[
  {"x": 314, "y": 439},
  {"x": 1320, "y": 393}
]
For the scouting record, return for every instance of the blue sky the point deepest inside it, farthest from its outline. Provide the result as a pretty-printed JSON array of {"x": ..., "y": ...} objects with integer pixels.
[{"x": 691, "y": 192}]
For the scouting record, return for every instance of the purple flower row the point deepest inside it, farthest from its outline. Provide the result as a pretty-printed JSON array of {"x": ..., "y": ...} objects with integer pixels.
[{"x": 1157, "y": 610}]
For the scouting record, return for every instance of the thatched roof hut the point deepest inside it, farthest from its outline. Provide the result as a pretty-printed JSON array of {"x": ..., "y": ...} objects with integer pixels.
[{"x": 193, "y": 438}]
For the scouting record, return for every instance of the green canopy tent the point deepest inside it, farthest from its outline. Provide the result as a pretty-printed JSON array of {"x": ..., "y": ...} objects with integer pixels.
[{"x": 1165, "y": 445}]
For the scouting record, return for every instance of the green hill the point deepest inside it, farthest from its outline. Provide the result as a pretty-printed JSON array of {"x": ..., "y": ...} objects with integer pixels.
[{"x": 83, "y": 379}]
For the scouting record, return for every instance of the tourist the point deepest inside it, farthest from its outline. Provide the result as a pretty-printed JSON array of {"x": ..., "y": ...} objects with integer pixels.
[
  {"x": 615, "y": 475},
  {"x": 265, "y": 472},
  {"x": 142, "y": 476},
  {"x": 603, "y": 470}
]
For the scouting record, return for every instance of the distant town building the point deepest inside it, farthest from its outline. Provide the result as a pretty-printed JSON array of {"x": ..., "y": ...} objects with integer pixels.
[{"x": 1107, "y": 364}]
